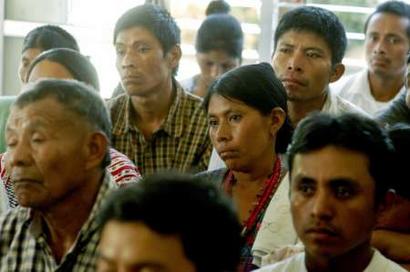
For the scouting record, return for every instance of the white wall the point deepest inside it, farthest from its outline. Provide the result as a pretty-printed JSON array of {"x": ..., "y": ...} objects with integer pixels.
[{"x": 41, "y": 11}]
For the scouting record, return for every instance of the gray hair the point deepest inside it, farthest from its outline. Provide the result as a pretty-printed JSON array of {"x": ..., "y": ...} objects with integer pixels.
[{"x": 76, "y": 97}]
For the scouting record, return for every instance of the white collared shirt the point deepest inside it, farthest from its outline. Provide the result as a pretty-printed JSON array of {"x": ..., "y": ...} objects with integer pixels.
[{"x": 356, "y": 89}]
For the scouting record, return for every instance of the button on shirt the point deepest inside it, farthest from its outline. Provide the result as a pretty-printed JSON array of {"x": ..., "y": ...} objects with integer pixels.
[
  {"x": 181, "y": 143},
  {"x": 23, "y": 245}
]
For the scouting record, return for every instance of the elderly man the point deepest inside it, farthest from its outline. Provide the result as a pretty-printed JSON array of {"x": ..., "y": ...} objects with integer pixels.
[
  {"x": 339, "y": 170},
  {"x": 387, "y": 46},
  {"x": 57, "y": 136},
  {"x": 155, "y": 123}
]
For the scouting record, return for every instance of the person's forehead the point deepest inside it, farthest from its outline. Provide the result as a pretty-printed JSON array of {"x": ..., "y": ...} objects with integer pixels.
[
  {"x": 220, "y": 105},
  {"x": 135, "y": 242},
  {"x": 331, "y": 163},
  {"x": 135, "y": 34},
  {"x": 47, "y": 112},
  {"x": 390, "y": 22},
  {"x": 304, "y": 38},
  {"x": 216, "y": 55}
]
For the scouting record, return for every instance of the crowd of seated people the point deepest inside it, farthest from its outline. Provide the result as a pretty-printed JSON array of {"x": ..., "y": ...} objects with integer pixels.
[{"x": 306, "y": 174}]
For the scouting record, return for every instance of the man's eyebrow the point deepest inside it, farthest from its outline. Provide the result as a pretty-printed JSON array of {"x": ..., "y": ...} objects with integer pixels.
[
  {"x": 344, "y": 182},
  {"x": 302, "y": 178},
  {"x": 393, "y": 35},
  {"x": 226, "y": 112},
  {"x": 285, "y": 43},
  {"x": 315, "y": 49}
]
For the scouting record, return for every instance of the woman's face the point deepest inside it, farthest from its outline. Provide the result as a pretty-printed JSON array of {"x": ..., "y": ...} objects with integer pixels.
[
  {"x": 26, "y": 58},
  {"x": 215, "y": 63},
  {"x": 242, "y": 136},
  {"x": 48, "y": 69}
]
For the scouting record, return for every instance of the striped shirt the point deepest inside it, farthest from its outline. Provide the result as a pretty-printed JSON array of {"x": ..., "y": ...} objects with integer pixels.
[
  {"x": 23, "y": 245},
  {"x": 181, "y": 143}
]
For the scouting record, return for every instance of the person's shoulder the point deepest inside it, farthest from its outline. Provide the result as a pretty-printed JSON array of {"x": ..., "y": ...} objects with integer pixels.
[
  {"x": 295, "y": 263},
  {"x": 190, "y": 106},
  {"x": 348, "y": 83},
  {"x": 10, "y": 223},
  {"x": 345, "y": 106},
  {"x": 117, "y": 101},
  {"x": 396, "y": 112},
  {"x": 191, "y": 98},
  {"x": 215, "y": 176},
  {"x": 188, "y": 84},
  {"x": 380, "y": 263}
]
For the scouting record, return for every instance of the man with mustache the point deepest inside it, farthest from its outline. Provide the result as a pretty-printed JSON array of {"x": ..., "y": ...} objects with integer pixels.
[
  {"x": 155, "y": 123},
  {"x": 339, "y": 181},
  {"x": 387, "y": 46},
  {"x": 309, "y": 46}
]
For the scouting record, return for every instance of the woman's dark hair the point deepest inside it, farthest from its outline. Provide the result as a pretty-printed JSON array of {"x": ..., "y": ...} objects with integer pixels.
[
  {"x": 220, "y": 32},
  {"x": 48, "y": 37},
  {"x": 258, "y": 87},
  {"x": 77, "y": 64},
  {"x": 217, "y": 6}
]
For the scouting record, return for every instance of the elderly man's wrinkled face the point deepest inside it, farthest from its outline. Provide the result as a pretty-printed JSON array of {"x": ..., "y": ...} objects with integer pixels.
[{"x": 47, "y": 151}]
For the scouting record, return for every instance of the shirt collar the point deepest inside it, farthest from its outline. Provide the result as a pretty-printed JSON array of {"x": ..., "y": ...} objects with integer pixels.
[
  {"x": 36, "y": 222},
  {"x": 173, "y": 124}
]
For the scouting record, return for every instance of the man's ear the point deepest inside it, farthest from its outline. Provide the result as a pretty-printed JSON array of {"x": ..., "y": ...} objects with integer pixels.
[
  {"x": 337, "y": 72},
  {"x": 278, "y": 117},
  {"x": 174, "y": 55},
  {"x": 97, "y": 149}
]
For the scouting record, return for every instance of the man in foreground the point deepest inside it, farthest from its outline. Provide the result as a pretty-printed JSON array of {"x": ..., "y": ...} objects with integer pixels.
[{"x": 339, "y": 173}]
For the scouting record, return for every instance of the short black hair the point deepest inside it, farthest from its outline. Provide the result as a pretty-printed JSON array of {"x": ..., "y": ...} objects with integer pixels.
[
  {"x": 185, "y": 206},
  {"x": 47, "y": 37},
  {"x": 348, "y": 131},
  {"x": 397, "y": 8},
  {"x": 400, "y": 136},
  {"x": 78, "y": 65},
  {"x": 217, "y": 6},
  {"x": 319, "y": 21},
  {"x": 220, "y": 32},
  {"x": 76, "y": 97},
  {"x": 156, "y": 20},
  {"x": 257, "y": 86}
]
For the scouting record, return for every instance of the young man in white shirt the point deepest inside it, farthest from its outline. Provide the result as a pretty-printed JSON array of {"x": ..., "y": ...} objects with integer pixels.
[
  {"x": 339, "y": 170},
  {"x": 387, "y": 46}
]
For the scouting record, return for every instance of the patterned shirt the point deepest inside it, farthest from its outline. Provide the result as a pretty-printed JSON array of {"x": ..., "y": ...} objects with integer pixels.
[
  {"x": 181, "y": 143},
  {"x": 23, "y": 245}
]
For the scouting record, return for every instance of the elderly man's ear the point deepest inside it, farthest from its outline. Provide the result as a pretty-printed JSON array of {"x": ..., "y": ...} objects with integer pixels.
[{"x": 97, "y": 148}]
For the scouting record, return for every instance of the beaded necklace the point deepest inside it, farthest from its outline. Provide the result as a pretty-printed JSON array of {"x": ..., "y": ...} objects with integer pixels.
[{"x": 263, "y": 197}]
